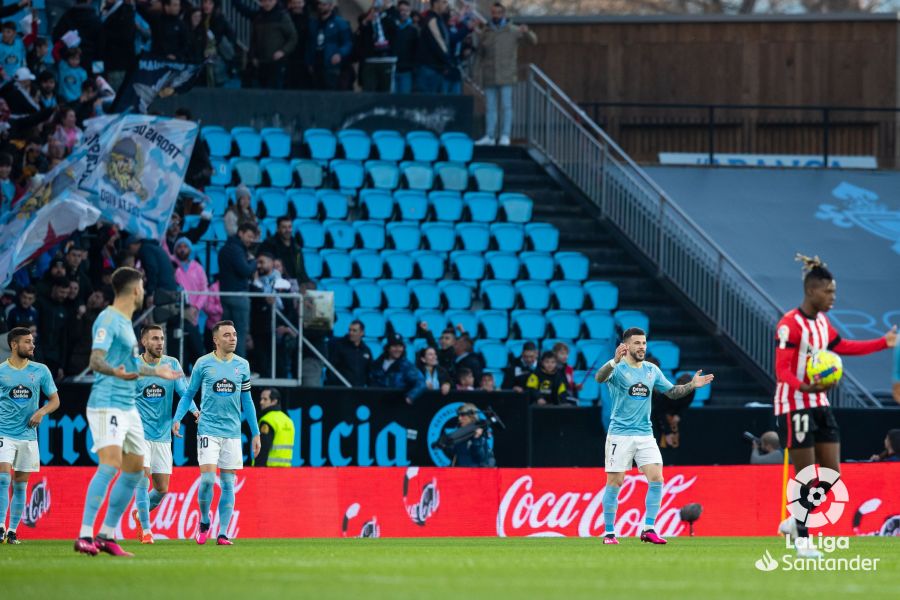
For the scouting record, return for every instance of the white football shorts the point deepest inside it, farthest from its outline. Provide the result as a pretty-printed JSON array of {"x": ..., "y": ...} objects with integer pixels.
[
  {"x": 158, "y": 457},
  {"x": 116, "y": 427},
  {"x": 225, "y": 453},
  {"x": 621, "y": 450},
  {"x": 23, "y": 455}
]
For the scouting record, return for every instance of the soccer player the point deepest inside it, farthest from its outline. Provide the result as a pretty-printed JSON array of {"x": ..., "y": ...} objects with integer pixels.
[
  {"x": 21, "y": 384},
  {"x": 631, "y": 382},
  {"x": 154, "y": 403},
  {"x": 223, "y": 378},
  {"x": 804, "y": 415},
  {"x": 114, "y": 422}
]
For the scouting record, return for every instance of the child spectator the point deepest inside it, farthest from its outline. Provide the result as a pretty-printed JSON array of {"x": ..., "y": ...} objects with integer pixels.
[
  {"x": 12, "y": 50},
  {"x": 465, "y": 380},
  {"x": 46, "y": 92},
  {"x": 66, "y": 129},
  {"x": 71, "y": 75}
]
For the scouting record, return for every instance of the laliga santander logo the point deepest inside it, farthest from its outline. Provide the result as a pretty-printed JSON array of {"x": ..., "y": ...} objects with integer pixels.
[
  {"x": 370, "y": 528},
  {"x": 429, "y": 498},
  {"x": 526, "y": 513},
  {"x": 816, "y": 496}
]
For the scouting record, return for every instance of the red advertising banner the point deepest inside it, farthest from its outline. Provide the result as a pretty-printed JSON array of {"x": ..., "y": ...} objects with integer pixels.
[{"x": 429, "y": 502}]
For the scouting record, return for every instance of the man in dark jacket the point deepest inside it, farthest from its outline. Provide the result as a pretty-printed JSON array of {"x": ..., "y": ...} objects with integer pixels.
[
  {"x": 53, "y": 327},
  {"x": 392, "y": 370},
  {"x": 350, "y": 356},
  {"x": 466, "y": 358},
  {"x": 547, "y": 385},
  {"x": 285, "y": 248},
  {"x": 433, "y": 53},
  {"x": 297, "y": 77},
  {"x": 377, "y": 59},
  {"x": 518, "y": 371},
  {"x": 170, "y": 33},
  {"x": 404, "y": 40},
  {"x": 119, "y": 28},
  {"x": 236, "y": 267},
  {"x": 272, "y": 40},
  {"x": 158, "y": 268},
  {"x": 83, "y": 18},
  {"x": 328, "y": 47}
]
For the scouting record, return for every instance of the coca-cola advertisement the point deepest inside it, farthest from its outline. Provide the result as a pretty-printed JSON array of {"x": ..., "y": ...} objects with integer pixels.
[{"x": 429, "y": 502}]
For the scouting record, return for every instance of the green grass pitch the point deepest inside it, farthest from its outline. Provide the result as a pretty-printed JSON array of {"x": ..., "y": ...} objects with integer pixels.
[{"x": 437, "y": 568}]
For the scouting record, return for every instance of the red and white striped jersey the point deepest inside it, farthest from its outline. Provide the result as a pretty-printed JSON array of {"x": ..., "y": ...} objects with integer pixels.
[{"x": 798, "y": 337}]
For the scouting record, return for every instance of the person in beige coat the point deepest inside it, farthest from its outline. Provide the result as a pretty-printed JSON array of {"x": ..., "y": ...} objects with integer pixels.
[{"x": 498, "y": 47}]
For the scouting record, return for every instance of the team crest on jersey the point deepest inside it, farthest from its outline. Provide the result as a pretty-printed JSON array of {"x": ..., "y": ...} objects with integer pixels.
[
  {"x": 20, "y": 392},
  {"x": 639, "y": 390},
  {"x": 224, "y": 387},
  {"x": 154, "y": 391},
  {"x": 784, "y": 332},
  {"x": 100, "y": 336}
]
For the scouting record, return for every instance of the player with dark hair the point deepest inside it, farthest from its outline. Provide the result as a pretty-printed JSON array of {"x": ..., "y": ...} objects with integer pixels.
[
  {"x": 631, "y": 381},
  {"x": 806, "y": 423},
  {"x": 21, "y": 384}
]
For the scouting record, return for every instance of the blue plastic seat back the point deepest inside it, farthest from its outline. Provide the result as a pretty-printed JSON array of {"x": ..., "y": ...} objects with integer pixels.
[
  {"x": 595, "y": 352},
  {"x": 494, "y": 323},
  {"x": 390, "y": 145},
  {"x": 517, "y": 207},
  {"x": 402, "y": 321},
  {"x": 343, "y": 292},
  {"x": 475, "y": 237},
  {"x": 447, "y": 206},
  {"x": 508, "y": 237},
  {"x": 305, "y": 203},
  {"x": 384, "y": 175},
  {"x": 457, "y": 295},
  {"x": 374, "y": 322},
  {"x": 355, "y": 144},
  {"x": 221, "y": 171},
  {"x": 543, "y": 237},
  {"x": 308, "y": 172},
  {"x": 626, "y": 319},
  {"x": 312, "y": 262},
  {"x": 322, "y": 144},
  {"x": 426, "y": 293},
  {"x": 498, "y": 294},
  {"x": 368, "y": 293},
  {"x": 369, "y": 263},
  {"x": 565, "y": 323},
  {"x": 441, "y": 237},
  {"x": 482, "y": 206},
  {"x": 267, "y": 227},
  {"x": 458, "y": 146},
  {"x": 412, "y": 205},
  {"x": 349, "y": 174},
  {"x": 600, "y": 324},
  {"x": 574, "y": 266},
  {"x": 341, "y": 234},
  {"x": 589, "y": 394},
  {"x": 342, "y": 319},
  {"x": 424, "y": 145},
  {"x": 568, "y": 295},
  {"x": 454, "y": 176},
  {"x": 247, "y": 170},
  {"x": 334, "y": 204},
  {"x": 466, "y": 318},
  {"x": 418, "y": 175},
  {"x": 548, "y": 344},
  {"x": 274, "y": 201},
  {"x": 218, "y": 200},
  {"x": 538, "y": 265},
  {"x": 338, "y": 263},
  {"x": 377, "y": 204},
  {"x": 399, "y": 264},
  {"x": 504, "y": 265},
  {"x": 370, "y": 233},
  {"x": 277, "y": 142},
  {"x": 468, "y": 265},
  {"x": 278, "y": 172},
  {"x": 430, "y": 264},
  {"x": 248, "y": 141},
  {"x": 216, "y": 232},
  {"x": 530, "y": 323},
  {"x": 494, "y": 353},
  {"x": 533, "y": 295},
  {"x": 667, "y": 353},
  {"x": 217, "y": 139},
  {"x": 396, "y": 293},
  {"x": 488, "y": 176},
  {"x": 404, "y": 236},
  {"x": 603, "y": 294},
  {"x": 435, "y": 320}
]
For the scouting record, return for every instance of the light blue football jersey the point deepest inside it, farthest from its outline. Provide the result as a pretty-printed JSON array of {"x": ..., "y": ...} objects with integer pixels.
[
  {"x": 154, "y": 401},
  {"x": 20, "y": 394},
  {"x": 631, "y": 390},
  {"x": 220, "y": 384},
  {"x": 114, "y": 333}
]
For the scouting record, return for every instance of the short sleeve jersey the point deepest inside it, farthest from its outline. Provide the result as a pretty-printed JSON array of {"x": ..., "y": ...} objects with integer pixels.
[
  {"x": 631, "y": 390},
  {"x": 154, "y": 399},
  {"x": 221, "y": 384},
  {"x": 20, "y": 394},
  {"x": 114, "y": 333}
]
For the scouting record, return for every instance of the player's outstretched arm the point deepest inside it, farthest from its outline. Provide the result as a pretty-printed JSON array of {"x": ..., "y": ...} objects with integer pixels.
[
  {"x": 859, "y": 347},
  {"x": 606, "y": 370},
  {"x": 99, "y": 365},
  {"x": 700, "y": 380}
]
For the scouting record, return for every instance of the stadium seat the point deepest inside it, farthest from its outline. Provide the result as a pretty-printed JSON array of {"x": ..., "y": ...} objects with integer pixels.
[
  {"x": 404, "y": 235},
  {"x": 399, "y": 264},
  {"x": 469, "y": 266},
  {"x": 312, "y": 262},
  {"x": 589, "y": 395},
  {"x": 626, "y": 319},
  {"x": 441, "y": 237},
  {"x": 430, "y": 264},
  {"x": 322, "y": 144},
  {"x": 246, "y": 170},
  {"x": 488, "y": 176},
  {"x": 446, "y": 206},
  {"x": 508, "y": 237},
  {"x": 342, "y": 320},
  {"x": 418, "y": 175},
  {"x": 463, "y": 317},
  {"x": 376, "y": 204},
  {"x": 334, "y": 204},
  {"x": 517, "y": 207},
  {"x": 248, "y": 142},
  {"x": 435, "y": 320},
  {"x": 371, "y": 234},
  {"x": 355, "y": 143},
  {"x": 311, "y": 233},
  {"x": 218, "y": 140},
  {"x": 276, "y": 141},
  {"x": 367, "y": 292},
  {"x": 667, "y": 353},
  {"x": 600, "y": 324},
  {"x": 701, "y": 395},
  {"x": 384, "y": 175},
  {"x": 216, "y": 232},
  {"x": 574, "y": 266},
  {"x": 533, "y": 295},
  {"x": 218, "y": 200},
  {"x": 515, "y": 346},
  {"x": 374, "y": 322},
  {"x": 305, "y": 203},
  {"x": 426, "y": 293},
  {"x": 338, "y": 263},
  {"x": 457, "y": 294},
  {"x": 390, "y": 145},
  {"x": 543, "y": 237},
  {"x": 603, "y": 294},
  {"x": 349, "y": 175},
  {"x": 267, "y": 227},
  {"x": 340, "y": 234},
  {"x": 595, "y": 352},
  {"x": 273, "y": 200},
  {"x": 494, "y": 323},
  {"x": 343, "y": 292},
  {"x": 308, "y": 172},
  {"x": 474, "y": 236},
  {"x": 376, "y": 345},
  {"x": 529, "y": 323},
  {"x": 401, "y": 321},
  {"x": 567, "y": 295},
  {"x": 221, "y": 171},
  {"x": 458, "y": 146},
  {"x": 396, "y": 293},
  {"x": 494, "y": 353},
  {"x": 538, "y": 265},
  {"x": 565, "y": 323},
  {"x": 369, "y": 264},
  {"x": 482, "y": 206},
  {"x": 412, "y": 205},
  {"x": 190, "y": 222},
  {"x": 503, "y": 265},
  {"x": 453, "y": 176},
  {"x": 498, "y": 294},
  {"x": 424, "y": 145}
]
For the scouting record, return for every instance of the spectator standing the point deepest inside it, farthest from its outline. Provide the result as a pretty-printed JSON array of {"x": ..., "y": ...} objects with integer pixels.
[
  {"x": 285, "y": 248},
  {"x": 297, "y": 77},
  {"x": 171, "y": 37},
  {"x": 466, "y": 358},
  {"x": 767, "y": 451},
  {"x": 81, "y": 336},
  {"x": 239, "y": 212},
  {"x": 46, "y": 92},
  {"x": 159, "y": 285},
  {"x": 18, "y": 93},
  {"x": 120, "y": 31},
  {"x": 200, "y": 41},
  {"x": 272, "y": 40},
  {"x": 350, "y": 356},
  {"x": 173, "y": 232},
  {"x": 83, "y": 18},
  {"x": 261, "y": 312},
  {"x": 191, "y": 277},
  {"x": 393, "y": 370},
  {"x": 436, "y": 377},
  {"x": 498, "y": 47},
  {"x": 404, "y": 41},
  {"x": 460, "y": 27},
  {"x": 224, "y": 41},
  {"x": 40, "y": 59},
  {"x": 53, "y": 327},
  {"x": 55, "y": 272},
  {"x": 328, "y": 47},
  {"x": 547, "y": 385},
  {"x": 77, "y": 269},
  {"x": 515, "y": 375},
  {"x": 23, "y": 311},
  {"x": 236, "y": 267},
  {"x": 374, "y": 35},
  {"x": 433, "y": 54},
  {"x": 71, "y": 75},
  {"x": 199, "y": 169}
]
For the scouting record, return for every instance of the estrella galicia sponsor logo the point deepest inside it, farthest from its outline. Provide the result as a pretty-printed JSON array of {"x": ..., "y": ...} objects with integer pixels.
[
  {"x": 39, "y": 505},
  {"x": 639, "y": 390},
  {"x": 441, "y": 423},
  {"x": 154, "y": 391},
  {"x": 224, "y": 387},
  {"x": 21, "y": 393}
]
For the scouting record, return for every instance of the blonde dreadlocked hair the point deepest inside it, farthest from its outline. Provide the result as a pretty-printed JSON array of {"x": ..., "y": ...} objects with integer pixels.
[{"x": 813, "y": 269}]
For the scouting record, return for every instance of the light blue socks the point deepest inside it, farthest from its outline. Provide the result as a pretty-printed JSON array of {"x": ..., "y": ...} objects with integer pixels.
[
  {"x": 610, "y": 504},
  {"x": 654, "y": 496},
  {"x": 119, "y": 496},
  {"x": 205, "y": 494},
  {"x": 142, "y": 503},
  {"x": 18, "y": 504},
  {"x": 4, "y": 497},
  {"x": 226, "y": 501},
  {"x": 155, "y": 498},
  {"x": 96, "y": 493}
]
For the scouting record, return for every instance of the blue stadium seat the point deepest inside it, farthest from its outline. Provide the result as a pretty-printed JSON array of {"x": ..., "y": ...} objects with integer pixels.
[
  {"x": 218, "y": 140},
  {"x": 494, "y": 323},
  {"x": 311, "y": 233},
  {"x": 701, "y": 395},
  {"x": 474, "y": 236},
  {"x": 273, "y": 200},
  {"x": 404, "y": 235},
  {"x": 538, "y": 265},
  {"x": 373, "y": 321},
  {"x": 248, "y": 141},
  {"x": 447, "y": 206},
  {"x": 342, "y": 320},
  {"x": 600, "y": 324},
  {"x": 221, "y": 171},
  {"x": 412, "y": 205},
  {"x": 441, "y": 237},
  {"x": 340, "y": 234},
  {"x": 216, "y": 232},
  {"x": 468, "y": 265},
  {"x": 457, "y": 294},
  {"x": 498, "y": 294},
  {"x": 435, "y": 320},
  {"x": 247, "y": 171},
  {"x": 384, "y": 175},
  {"x": 343, "y": 292},
  {"x": 338, "y": 263},
  {"x": 544, "y": 237},
  {"x": 575, "y": 266},
  {"x": 371, "y": 234},
  {"x": 418, "y": 175},
  {"x": 430, "y": 264},
  {"x": 190, "y": 222},
  {"x": 515, "y": 346},
  {"x": 426, "y": 293},
  {"x": 424, "y": 145},
  {"x": 402, "y": 321},
  {"x": 218, "y": 200},
  {"x": 334, "y": 204},
  {"x": 589, "y": 395},
  {"x": 321, "y": 143},
  {"x": 482, "y": 206},
  {"x": 308, "y": 172},
  {"x": 268, "y": 227},
  {"x": 530, "y": 323},
  {"x": 488, "y": 176},
  {"x": 494, "y": 353},
  {"x": 390, "y": 145},
  {"x": 517, "y": 207},
  {"x": 667, "y": 353},
  {"x": 603, "y": 294},
  {"x": 503, "y": 265},
  {"x": 458, "y": 146},
  {"x": 305, "y": 203},
  {"x": 568, "y": 295},
  {"x": 312, "y": 262},
  {"x": 565, "y": 323},
  {"x": 369, "y": 263},
  {"x": 276, "y": 141},
  {"x": 508, "y": 237},
  {"x": 453, "y": 176},
  {"x": 533, "y": 295},
  {"x": 399, "y": 264},
  {"x": 367, "y": 292},
  {"x": 376, "y": 204},
  {"x": 463, "y": 317},
  {"x": 355, "y": 144},
  {"x": 595, "y": 352},
  {"x": 376, "y": 345},
  {"x": 626, "y": 319},
  {"x": 396, "y": 293},
  {"x": 349, "y": 175}
]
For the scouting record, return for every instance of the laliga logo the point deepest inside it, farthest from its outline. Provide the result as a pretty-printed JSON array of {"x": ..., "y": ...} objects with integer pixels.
[
  {"x": 370, "y": 528},
  {"x": 429, "y": 500},
  {"x": 816, "y": 496},
  {"x": 39, "y": 505}
]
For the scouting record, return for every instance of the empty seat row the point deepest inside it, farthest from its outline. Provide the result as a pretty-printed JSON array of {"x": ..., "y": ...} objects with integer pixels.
[
  {"x": 415, "y": 205},
  {"x": 247, "y": 142}
]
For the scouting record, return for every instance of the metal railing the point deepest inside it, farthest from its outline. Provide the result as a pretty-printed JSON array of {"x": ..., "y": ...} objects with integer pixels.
[{"x": 683, "y": 253}]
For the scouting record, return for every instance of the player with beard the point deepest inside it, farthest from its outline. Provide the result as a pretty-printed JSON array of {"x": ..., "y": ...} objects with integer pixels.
[
  {"x": 631, "y": 381},
  {"x": 21, "y": 384}
]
